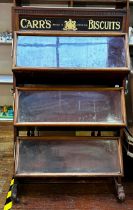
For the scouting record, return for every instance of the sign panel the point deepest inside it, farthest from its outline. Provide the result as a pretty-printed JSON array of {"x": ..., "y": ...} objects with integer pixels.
[{"x": 71, "y": 24}]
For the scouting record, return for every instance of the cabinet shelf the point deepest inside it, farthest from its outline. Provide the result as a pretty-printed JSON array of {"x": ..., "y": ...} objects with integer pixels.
[{"x": 6, "y": 120}]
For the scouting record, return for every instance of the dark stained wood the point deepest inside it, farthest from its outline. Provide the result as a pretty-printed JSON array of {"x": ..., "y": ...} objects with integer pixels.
[
  {"x": 26, "y": 12},
  {"x": 109, "y": 78},
  {"x": 71, "y": 2}
]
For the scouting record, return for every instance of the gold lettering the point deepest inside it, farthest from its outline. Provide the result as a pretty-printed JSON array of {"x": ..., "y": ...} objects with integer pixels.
[
  {"x": 42, "y": 24},
  {"x": 90, "y": 25},
  {"x": 102, "y": 25},
  {"x": 29, "y": 24},
  {"x": 97, "y": 25},
  {"x": 23, "y": 23},
  {"x": 106, "y": 26},
  {"x": 113, "y": 26},
  {"x": 48, "y": 24},
  {"x": 35, "y": 24},
  {"x": 109, "y": 26},
  {"x": 118, "y": 25}
]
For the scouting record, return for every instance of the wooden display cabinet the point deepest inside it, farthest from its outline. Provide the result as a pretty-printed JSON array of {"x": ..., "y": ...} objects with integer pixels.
[{"x": 69, "y": 85}]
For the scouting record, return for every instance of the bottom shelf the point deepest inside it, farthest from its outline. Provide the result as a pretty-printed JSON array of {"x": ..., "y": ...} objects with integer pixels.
[{"x": 69, "y": 157}]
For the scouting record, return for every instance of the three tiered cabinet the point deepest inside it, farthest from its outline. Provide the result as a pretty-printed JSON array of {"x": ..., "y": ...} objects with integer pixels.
[{"x": 69, "y": 68}]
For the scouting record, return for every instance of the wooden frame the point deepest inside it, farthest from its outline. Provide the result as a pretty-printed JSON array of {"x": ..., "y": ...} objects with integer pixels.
[
  {"x": 73, "y": 124},
  {"x": 76, "y": 34},
  {"x": 76, "y": 174},
  {"x": 29, "y": 134}
]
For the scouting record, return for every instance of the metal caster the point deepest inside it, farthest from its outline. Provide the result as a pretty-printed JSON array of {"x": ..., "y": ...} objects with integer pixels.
[
  {"x": 14, "y": 197},
  {"x": 120, "y": 191}
]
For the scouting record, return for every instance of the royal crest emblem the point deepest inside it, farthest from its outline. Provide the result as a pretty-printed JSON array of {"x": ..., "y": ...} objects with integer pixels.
[{"x": 70, "y": 25}]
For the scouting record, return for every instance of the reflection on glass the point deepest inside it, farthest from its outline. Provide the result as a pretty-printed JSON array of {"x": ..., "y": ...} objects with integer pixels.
[
  {"x": 71, "y": 52},
  {"x": 70, "y": 106},
  {"x": 55, "y": 156}
]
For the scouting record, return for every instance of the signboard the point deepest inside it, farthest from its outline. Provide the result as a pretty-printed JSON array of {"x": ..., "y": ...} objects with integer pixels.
[{"x": 71, "y": 24}]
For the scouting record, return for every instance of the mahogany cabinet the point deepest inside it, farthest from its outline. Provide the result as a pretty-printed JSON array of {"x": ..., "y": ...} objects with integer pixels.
[{"x": 69, "y": 91}]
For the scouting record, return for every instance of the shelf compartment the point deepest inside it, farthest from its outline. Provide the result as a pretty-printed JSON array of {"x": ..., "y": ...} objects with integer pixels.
[
  {"x": 68, "y": 157},
  {"x": 69, "y": 106},
  {"x": 70, "y": 51}
]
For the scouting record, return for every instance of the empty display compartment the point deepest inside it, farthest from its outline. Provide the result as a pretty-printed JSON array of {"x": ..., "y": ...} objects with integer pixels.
[
  {"x": 68, "y": 156},
  {"x": 70, "y": 106}
]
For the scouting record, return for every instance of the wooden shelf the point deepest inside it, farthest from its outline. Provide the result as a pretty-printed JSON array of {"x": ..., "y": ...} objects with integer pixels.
[
  {"x": 6, "y": 79},
  {"x": 6, "y": 122},
  {"x": 5, "y": 43}
]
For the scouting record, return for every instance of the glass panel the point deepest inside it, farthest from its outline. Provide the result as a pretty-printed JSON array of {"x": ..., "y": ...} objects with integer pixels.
[
  {"x": 56, "y": 156},
  {"x": 70, "y": 106},
  {"x": 71, "y": 52}
]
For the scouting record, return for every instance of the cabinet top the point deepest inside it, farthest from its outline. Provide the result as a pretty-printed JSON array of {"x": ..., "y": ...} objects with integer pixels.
[{"x": 70, "y": 2}]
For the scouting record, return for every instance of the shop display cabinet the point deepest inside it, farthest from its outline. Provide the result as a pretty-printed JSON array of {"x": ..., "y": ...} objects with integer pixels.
[{"x": 69, "y": 90}]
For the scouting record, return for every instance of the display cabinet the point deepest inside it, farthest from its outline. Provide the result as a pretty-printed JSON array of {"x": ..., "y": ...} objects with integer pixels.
[{"x": 69, "y": 90}]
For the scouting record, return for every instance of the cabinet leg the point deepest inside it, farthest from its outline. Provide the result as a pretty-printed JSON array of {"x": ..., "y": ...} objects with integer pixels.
[
  {"x": 15, "y": 193},
  {"x": 119, "y": 190}
]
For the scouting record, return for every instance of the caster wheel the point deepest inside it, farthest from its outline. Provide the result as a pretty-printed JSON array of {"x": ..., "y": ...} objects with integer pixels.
[
  {"x": 121, "y": 197},
  {"x": 121, "y": 194},
  {"x": 14, "y": 193}
]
